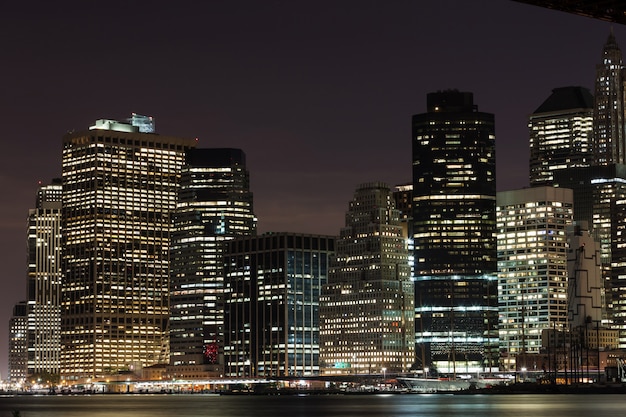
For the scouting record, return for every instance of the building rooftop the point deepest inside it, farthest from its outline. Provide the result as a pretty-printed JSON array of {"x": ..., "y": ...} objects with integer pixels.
[{"x": 566, "y": 98}]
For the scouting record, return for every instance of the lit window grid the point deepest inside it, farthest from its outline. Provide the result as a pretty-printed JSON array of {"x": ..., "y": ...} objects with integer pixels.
[
  {"x": 117, "y": 204},
  {"x": 559, "y": 141},
  {"x": 532, "y": 272}
]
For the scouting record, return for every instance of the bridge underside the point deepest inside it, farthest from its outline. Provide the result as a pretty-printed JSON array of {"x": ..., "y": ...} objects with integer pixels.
[{"x": 609, "y": 10}]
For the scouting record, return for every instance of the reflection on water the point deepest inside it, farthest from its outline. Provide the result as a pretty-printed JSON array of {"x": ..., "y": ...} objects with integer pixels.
[{"x": 414, "y": 405}]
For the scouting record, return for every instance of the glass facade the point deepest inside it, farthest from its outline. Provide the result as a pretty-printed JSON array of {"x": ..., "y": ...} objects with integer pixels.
[
  {"x": 367, "y": 307},
  {"x": 214, "y": 206},
  {"x": 532, "y": 268},
  {"x": 272, "y": 300},
  {"x": 119, "y": 192},
  {"x": 454, "y": 235}
]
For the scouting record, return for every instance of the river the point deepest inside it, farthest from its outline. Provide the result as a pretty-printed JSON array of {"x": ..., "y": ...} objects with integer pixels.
[{"x": 390, "y": 405}]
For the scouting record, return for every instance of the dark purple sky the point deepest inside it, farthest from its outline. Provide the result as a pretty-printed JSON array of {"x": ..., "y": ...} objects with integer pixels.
[{"x": 319, "y": 94}]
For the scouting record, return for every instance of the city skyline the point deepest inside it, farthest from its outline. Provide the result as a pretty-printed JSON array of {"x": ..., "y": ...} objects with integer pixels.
[{"x": 313, "y": 94}]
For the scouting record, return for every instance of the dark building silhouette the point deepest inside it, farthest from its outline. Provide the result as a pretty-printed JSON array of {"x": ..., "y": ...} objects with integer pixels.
[
  {"x": 454, "y": 234},
  {"x": 214, "y": 206}
]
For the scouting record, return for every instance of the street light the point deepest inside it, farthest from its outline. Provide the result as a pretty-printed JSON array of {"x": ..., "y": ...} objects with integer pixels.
[{"x": 384, "y": 372}]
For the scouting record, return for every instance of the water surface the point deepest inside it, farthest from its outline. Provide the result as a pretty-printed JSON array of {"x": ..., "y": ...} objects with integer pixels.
[{"x": 414, "y": 405}]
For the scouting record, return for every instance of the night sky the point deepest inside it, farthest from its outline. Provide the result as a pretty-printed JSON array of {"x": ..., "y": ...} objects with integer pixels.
[{"x": 319, "y": 94}]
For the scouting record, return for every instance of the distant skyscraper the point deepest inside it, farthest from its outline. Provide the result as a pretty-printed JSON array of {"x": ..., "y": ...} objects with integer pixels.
[
  {"x": 609, "y": 136},
  {"x": 532, "y": 268},
  {"x": 120, "y": 189},
  {"x": 44, "y": 281},
  {"x": 561, "y": 132},
  {"x": 214, "y": 205},
  {"x": 18, "y": 344},
  {"x": 454, "y": 233},
  {"x": 272, "y": 290},
  {"x": 367, "y": 308}
]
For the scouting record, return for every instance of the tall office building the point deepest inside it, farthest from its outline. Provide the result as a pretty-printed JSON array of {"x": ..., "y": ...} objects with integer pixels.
[
  {"x": 561, "y": 132},
  {"x": 585, "y": 293},
  {"x": 272, "y": 300},
  {"x": 585, "y": 283},
  {"x": 608, "y": 129},
  {"x": 532, "y": 268},
  {"x": 367, "y": 308},
  {"x": 454, "y": 233},
  {"x": 600, "y": 190},
  {"x": 600, "y": 201},
  {"x": 214, "y": 205},
  {"x": 44, "y": 281},
  {"x": 120, "y": 189},
  {"x": 18, "y": 344}
]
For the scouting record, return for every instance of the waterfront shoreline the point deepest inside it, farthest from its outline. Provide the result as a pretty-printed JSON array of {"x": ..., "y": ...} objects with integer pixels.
[{"x": 511, "y": 389}]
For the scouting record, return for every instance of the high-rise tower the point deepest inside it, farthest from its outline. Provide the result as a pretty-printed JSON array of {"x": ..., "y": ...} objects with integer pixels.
[
  {"x": 44, "y": 281},
  {"x": 214, "y": 205},
  {"x": 608, "y": 129},
  {"x": 600, "y": 201},
  {"x": 367, "y": 308},
  {"x": 561, "y": 130},
  {"x": 120, "y": 189},
  {"x": 532, "y": 268},
  {"x": 454, "y": 233}
]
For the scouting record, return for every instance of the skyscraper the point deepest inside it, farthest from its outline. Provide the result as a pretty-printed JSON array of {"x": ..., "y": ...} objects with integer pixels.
[
  {"x": 272, "y": 301},
  {"x": 600, "y": 190},
  {"x": 44, "y": 281},
  {"x": 367, "y": 308},
  {"x": 586, "y": 286},
  {"x": 600, "y": 201},
  {"x": 585, "y": 293},
  {"x": 119, "y": 192},
  {"x": 454, "y": 233},
  {"x": 608, "y": 123},
  {"x": 532, "y": 268},
  {"x": 561, "y": 131},
  {"x": 214, "y": 205}
]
